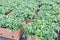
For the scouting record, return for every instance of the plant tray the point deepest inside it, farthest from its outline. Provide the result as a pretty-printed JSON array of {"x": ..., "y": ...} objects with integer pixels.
[{"x": 11, "y": 35}]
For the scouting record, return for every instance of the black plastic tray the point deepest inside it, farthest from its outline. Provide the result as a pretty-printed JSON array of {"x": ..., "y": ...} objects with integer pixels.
[{"x": 3, "y": 38}]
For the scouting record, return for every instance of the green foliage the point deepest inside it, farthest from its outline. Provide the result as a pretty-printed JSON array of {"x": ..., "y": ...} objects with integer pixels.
[
  {"x": 11, "y": 23},
  {"x": 21, "y": 10},
  {"x": 42, "y": 29},
  {"x": 46, "y": 22}
]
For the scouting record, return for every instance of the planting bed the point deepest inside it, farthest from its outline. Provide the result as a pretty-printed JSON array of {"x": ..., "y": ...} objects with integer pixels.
[
  {"x": 38, "y": 18},
  {"x": 12, "y": 17}
]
